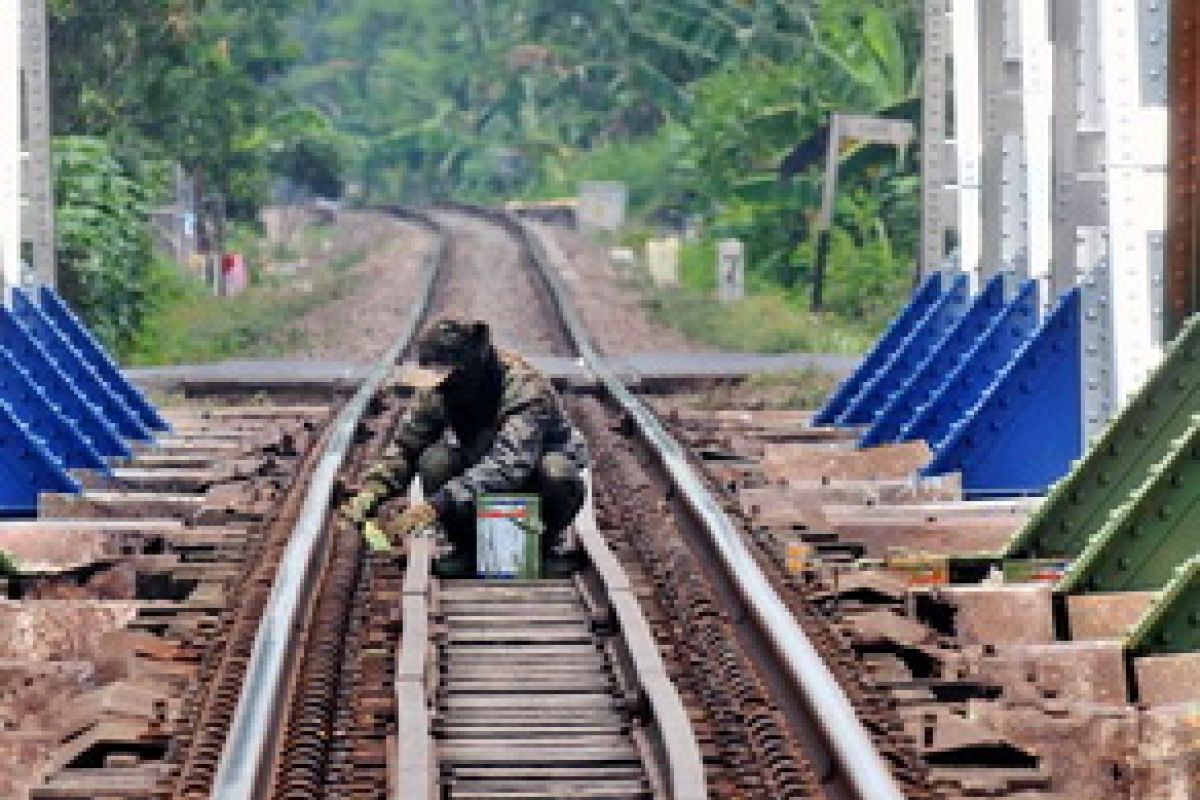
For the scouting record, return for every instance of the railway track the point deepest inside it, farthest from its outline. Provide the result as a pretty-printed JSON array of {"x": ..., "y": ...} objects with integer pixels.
[{"x": 670, "y": 666}]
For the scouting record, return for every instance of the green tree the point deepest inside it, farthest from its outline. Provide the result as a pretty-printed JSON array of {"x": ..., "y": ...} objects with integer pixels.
[
  {"x": 106, "y": 262},
  {"x": 183, "y": 80}
]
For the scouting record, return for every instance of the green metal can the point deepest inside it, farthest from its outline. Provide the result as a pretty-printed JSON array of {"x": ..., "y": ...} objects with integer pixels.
[{"x": 508, "y": 536}]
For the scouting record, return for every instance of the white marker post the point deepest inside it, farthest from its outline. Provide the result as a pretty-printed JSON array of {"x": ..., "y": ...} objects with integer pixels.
[{"x": 731, "y": 270}]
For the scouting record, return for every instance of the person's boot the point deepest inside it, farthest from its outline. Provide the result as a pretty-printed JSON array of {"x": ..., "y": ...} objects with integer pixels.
[
  {"x": 459, "y": 562},
  {"x": 455, "y": 564},
  {"x": 557, "y": 564}
]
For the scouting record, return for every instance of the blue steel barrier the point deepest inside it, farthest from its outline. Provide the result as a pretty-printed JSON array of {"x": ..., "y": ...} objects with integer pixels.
[
  {"x": 60, "y": 390},
  {"x": 93, "y": 352},
  {"x": 978, "y": 370},
  {"x": 910, "y": 354},
  {"x": 27, "y": 468},
  {"x": 1026, "y": 429},
  {"x": 29, "y": 404},
  {"x": 929, "y": 376},
  {"x": 82, "y": 374},
  {"x": 908, "y": 318},
  {"x": 64, "y": 403}
]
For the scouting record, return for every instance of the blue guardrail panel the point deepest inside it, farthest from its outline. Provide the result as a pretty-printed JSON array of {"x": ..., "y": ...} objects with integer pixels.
[
  {"x": 931, "y": 375},
  {"x": 925, "y": 296},
  {"x": 30, "y": 404},
  {"x": 965, "y": 385},
  {"x": 27, "y": 468},
  {"x": 71, "y": 362},
  {"x": 59, "y": 388},
  {"x": 912, "y": 352},
  {"x": 1027, "y": 428},
  {"x": 94, "y": 353}
]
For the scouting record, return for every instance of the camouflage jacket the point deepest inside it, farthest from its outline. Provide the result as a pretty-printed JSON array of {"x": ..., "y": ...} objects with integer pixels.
[{"x": 503, "y": 424}]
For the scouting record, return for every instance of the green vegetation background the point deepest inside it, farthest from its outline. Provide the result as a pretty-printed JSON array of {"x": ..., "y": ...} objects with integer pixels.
[{"x": 693, "y": 103}]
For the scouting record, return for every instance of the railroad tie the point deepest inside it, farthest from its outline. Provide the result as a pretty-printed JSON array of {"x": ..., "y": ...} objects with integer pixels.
[{"x": 528, "y": 704}]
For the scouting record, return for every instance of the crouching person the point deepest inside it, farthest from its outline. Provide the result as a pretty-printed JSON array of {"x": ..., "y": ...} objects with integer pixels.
[{"x": 483, "y": 422}]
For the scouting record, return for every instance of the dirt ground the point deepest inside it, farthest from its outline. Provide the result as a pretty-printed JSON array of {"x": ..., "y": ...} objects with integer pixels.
[
  {"x": 610, "y": 306},
  {"x": 485, "y": 279},
  {"x": 358, "y": 324}
]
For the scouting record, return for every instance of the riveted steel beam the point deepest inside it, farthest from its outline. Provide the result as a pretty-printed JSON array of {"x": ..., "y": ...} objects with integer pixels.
[
  {"x": 1120, "y": 459},
  {"x": 1024, "y": 432},
  {"x": 10, "y": 142},
  {"x": 1172, "y": 622},
  {"x": 93, "y": 353},
  {"x": 966, "y": 384},
  {"x": 27, "y": 468},
  {"x": 905, "y": 322},
  {"x": 912, "y": 352},
  {"x": 1149, "y": 535},
  {"x": 1183, "y": 235},
  {"x": 39, "y": 191},
  {"x": 931, "y": 374}
]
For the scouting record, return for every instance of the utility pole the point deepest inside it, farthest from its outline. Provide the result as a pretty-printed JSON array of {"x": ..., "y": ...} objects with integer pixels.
[{"x": 898, "y": 133}]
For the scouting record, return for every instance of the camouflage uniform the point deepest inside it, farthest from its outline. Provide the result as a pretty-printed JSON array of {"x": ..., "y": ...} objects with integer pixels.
[{"x": 497, "y": 426}]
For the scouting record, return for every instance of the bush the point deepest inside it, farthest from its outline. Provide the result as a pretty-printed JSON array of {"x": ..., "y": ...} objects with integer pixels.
[{"x": 107, "y": 267}]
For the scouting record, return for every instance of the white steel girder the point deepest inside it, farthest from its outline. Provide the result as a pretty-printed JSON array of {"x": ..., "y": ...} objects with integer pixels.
[
  {"x": 10, "y": 142},
  {"x": 1135, "y": 154},
  {"x": 968, "y": 135}
]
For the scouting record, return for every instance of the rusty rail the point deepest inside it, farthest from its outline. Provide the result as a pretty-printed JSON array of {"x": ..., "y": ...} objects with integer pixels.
[
  {"x": 248, "y": 752},
  {"x": 831, "y": 710},
  {"x": 676, "y": 754},
  {"x": 674, "y": 740}
]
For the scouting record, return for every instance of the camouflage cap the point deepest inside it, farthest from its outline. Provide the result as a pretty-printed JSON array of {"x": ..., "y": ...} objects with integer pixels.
[{"x": 450, "y": 342}]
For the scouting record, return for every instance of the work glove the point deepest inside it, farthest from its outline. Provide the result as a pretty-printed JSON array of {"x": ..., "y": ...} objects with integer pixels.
[
  {"x": 364, "y": 504},
  {"x": 377, "y": 540},
  {"x": 415, "y": 517}
]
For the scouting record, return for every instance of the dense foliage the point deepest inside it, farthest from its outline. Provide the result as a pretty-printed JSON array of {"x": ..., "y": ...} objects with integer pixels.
[
  {"x": 108, "y": 267},
  {"x": 694, "y": 103},
  {"x": 141, "y": 85}
]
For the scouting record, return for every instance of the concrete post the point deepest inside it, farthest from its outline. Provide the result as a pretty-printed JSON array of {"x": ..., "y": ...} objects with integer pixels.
[{"x": 731, "y": 270}]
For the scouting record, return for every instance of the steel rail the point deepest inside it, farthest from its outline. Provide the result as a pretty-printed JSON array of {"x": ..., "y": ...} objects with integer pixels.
[
  {"x": 671, "y": 727},
  {"x": 247, "y": 756},
  {"x": 843, "y": 732}
]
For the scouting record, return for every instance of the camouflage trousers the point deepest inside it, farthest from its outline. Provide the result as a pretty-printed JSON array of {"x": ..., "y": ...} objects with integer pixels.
[{"x": 556, "y": 480}]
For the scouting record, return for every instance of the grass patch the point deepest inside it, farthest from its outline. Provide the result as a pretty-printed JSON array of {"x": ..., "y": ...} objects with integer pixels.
[
  {"x": 761, "y": 323},
  {"x": 191, "y": 326}
]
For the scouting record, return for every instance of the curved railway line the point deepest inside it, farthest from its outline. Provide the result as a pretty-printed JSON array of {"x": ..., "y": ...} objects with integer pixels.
[
  {"x": 603, "y": 716},
  {"x": 686, "y": 659}
]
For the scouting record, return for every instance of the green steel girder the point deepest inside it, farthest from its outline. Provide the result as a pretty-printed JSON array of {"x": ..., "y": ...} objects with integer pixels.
[
  {"x": 1149, "y": 536},
  {"x": 1118, "y": 462},
  {"x": 1172, "y": 622}
]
